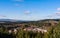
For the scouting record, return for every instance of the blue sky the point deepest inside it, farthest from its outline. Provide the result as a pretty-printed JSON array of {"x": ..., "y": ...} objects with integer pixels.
[{"x": 29, "y": 9}]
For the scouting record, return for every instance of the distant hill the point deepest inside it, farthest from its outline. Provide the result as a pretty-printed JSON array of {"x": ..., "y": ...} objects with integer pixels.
[
  {"x": 23, "y": 21},
  {"x": 49, "y": 20},
  {"x": 36, "y": 23},
  {"x": 12, "y": 21}
]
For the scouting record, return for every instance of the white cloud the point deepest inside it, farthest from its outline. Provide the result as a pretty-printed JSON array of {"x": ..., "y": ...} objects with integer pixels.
[
  {"x": 58, "y": 9},
  {"x": 58, "y": 13},
  {"x": 55, "y": 14},
  {"x": 27, "y": 12}
]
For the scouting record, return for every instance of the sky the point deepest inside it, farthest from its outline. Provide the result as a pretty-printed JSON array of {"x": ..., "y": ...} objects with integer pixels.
[{"x": 29, "y": 9}]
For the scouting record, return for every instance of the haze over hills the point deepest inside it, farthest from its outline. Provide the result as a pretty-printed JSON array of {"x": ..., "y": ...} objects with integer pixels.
[
  {"x": 13, "y": 20},
  {"x": 19, "y": 21}
]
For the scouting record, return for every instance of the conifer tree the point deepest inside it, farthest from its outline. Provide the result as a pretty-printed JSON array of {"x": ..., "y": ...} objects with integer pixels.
[{"x": 20, "y": 34}]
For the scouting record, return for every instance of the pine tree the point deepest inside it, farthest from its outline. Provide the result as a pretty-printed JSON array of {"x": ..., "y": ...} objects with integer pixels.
[
  {"x": 39, "y": 35},
  {"x": 20, "y": 34},
  {"x": 27, "y": 34},
  {"x": 57, "y": 31},
  {"x": 46, "y": 35}
]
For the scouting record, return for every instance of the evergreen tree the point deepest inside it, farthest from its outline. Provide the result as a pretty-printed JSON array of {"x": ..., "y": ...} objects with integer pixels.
[
  {"x": 20, "y": 34},
  {"x": 39, "y": 35}
]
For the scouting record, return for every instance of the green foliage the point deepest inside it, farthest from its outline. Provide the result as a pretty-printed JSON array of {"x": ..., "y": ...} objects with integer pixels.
[
  {"x": 20, "y": 34},
  {"x": 57, "y": 31},
  {"x": 54, "y": 32}
]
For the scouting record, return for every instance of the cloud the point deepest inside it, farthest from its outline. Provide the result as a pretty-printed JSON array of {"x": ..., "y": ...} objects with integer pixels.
[
  {"x": 27, "y": 12},
  {"x": 58, "y": 9},
  {"x": 2, "y": 16},
  {"x": 55, "y": 14},
  {"x": 58, "y": 13}
]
